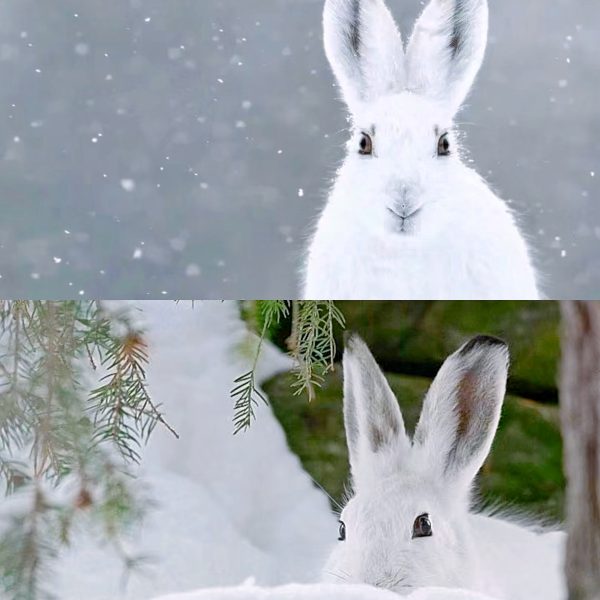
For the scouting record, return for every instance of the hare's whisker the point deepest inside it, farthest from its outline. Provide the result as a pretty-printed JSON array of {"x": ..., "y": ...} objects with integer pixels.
[
  {"x": 340, "y": 577},
  {"x": 333, "y": 500}
]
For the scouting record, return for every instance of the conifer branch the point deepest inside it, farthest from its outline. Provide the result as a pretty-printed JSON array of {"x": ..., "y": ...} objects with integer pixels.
[
  {"x": 311, "y": 345},
  {"x": 245, "y": 393},
  {"x": 52, "y": 428}
]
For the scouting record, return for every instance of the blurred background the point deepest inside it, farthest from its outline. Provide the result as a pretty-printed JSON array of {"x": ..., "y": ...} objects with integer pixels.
[
  {"x": 184, "y": 148},
  {"x": 410, "y": 341}
]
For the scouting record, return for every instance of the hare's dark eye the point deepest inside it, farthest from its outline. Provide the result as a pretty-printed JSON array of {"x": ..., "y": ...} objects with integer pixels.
[
  {"x": 342, "y": 531},
  {"x": 366, "y": 145},
  {"x": 444, "y": 146},
  {"x": 422, "y": 527}
]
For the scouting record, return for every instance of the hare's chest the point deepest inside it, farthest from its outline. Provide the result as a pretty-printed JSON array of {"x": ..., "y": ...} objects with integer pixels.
[
  {"x": 458, "y": 262},
  {"x": 368, "y": 268}
]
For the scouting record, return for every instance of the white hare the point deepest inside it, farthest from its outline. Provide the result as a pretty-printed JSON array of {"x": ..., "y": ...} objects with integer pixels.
[
  {"x": 408, "y": 524},
  {"x": 406, "y": 219}
]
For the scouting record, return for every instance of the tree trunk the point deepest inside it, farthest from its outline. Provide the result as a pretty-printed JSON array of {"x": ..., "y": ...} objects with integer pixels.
[{"x": 580, "y": 411}]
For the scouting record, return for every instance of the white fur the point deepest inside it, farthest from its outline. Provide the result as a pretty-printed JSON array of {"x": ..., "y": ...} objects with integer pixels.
[
  {"x": 464, "y": 243},
  {"x": 401, "y": 479}
]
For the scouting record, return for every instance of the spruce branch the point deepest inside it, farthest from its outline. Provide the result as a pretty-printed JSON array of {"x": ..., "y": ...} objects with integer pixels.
[
  {"x": 311, "y": 346},
  {"x": 27, "y": 549},
  {"x": 245, "y": 393},
  {"x": 246, "y": 397},
  {"x": 122, "y": 408},
  {"x": 53, "y": 429},
  {"x": 14, "y": 473}
]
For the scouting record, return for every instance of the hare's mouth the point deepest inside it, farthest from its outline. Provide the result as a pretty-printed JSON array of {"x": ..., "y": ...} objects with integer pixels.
[
  {"x": 403, "y": 589},
  {"x": 406, "y": 220}
]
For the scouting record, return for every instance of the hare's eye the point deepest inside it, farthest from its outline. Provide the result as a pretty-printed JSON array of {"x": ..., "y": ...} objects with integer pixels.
[
  {"x": 342, "y": 531},
  {"x": 422, "y": 527},
  {"x": 444, "y": 146},
  {"x": 366, "y": 145}
]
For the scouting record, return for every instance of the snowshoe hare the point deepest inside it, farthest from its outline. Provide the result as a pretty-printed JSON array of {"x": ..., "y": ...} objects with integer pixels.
[
  {"x": 408, "y": 524},
  {"x": 406, "y": 219}
]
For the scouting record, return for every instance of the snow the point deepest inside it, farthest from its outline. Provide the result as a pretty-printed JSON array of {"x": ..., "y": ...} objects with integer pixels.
[
  {"x": 323, "y": 592},
  {"x": 128, "y": 185},
  {"x": 227, "y": 508},
  {"x": 152, "y": 89}
]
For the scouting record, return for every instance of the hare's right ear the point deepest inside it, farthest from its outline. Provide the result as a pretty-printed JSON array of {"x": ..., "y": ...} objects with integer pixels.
[
  {"x": 364, "y": 48},
  {"x": 462, "y": 409},
  {"x": 374, "y": 425},
  {"x": 447, "y": 48}
]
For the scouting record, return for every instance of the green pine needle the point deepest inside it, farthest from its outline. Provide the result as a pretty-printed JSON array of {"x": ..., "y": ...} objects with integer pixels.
[
  {"x": 69, "y": 432},
  {"x": 312, "y": 347}
]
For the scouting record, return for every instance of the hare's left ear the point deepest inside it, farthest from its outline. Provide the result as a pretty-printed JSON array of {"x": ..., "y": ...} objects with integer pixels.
[
  {"x": 447, "y": 48},
  {"x": 364, "y": 48},
  {"x": 374, "y": 426},
  {"x": 462, "y": 409}
]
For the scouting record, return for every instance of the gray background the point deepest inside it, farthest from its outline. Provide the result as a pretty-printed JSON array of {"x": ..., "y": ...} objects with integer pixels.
[{"x": 214, "y": 210}]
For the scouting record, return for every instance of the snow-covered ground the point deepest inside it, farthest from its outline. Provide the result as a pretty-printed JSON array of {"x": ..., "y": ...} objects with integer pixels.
[
  {"x": 228, "y": 508},
  {"x": 323, "y": 592}
]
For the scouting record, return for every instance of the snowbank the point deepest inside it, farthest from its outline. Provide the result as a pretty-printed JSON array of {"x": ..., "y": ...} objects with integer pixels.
[
  {"x": 323, "y": 592},
  {"x": 227, "y": 508}
]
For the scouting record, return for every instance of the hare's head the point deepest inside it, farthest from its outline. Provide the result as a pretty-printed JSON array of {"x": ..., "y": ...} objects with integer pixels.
[
  {"x": 403, "y": 102},
  {"x": 407, "y": 524}
]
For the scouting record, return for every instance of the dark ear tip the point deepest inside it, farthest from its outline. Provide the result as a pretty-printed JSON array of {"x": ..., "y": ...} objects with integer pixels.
[
  {"x": 483, "y": 341},
  {"x": 350, "y": 338},
  {"x": 353, "y": 342}
]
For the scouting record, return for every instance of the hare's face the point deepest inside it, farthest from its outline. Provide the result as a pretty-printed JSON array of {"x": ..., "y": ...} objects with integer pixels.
[
  {"x": 402, "y": 100},
  {"x": 399, "y": 161},
  {"x": 407, "y": 524},
  {"x": 401, "y": 535}
]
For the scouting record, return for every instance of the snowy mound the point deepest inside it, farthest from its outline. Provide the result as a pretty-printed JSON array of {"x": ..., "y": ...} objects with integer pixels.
[
  {"x": 323, "y": 592},
  {"x": 227, "y": 508}
]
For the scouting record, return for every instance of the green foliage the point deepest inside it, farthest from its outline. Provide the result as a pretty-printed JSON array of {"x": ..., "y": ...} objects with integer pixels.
[
  {"x": 122, "y": 407},
  {"x": 525, "y": 467},
  {"x": 25, "y": 549},
  {"x": 72, "y": 391},
  {"x": 311, "y": 345},
  {"x": 245, "y": 394},
  {"x": 415, "y": 337}
]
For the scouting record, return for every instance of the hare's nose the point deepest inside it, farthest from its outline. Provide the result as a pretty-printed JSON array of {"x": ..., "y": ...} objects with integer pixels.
[
  {"x": 405, "y": 196},
  {"x": 406, "y": 208}
]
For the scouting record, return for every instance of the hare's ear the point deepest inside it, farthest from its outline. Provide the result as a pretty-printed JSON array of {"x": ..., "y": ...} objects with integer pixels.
[
  {"x": 374, "y": 425},
  {"x": 364, "y": 48},
  {"x": 462, "y": 409},
  {"x": 447, "y": 48}
]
